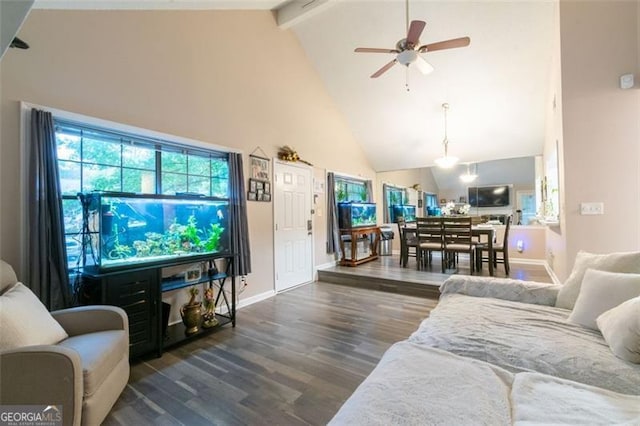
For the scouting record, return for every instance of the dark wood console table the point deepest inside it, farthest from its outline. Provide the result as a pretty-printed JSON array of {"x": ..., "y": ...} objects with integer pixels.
[{"x": 362, "y": 247}]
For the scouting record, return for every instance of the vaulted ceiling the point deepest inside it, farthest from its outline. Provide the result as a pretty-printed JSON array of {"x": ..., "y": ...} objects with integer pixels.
[{"x": 497, "y": 88}]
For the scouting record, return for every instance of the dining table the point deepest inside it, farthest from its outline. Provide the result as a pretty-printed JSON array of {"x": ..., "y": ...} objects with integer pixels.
[{"x": 478, "y": 231}]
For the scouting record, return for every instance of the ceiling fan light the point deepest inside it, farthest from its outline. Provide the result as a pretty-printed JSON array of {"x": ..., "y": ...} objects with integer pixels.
[
  {"x": 446, "y": 162},
  {"x": 424, "y": 66},
  {"x": 407, "y": 57}
]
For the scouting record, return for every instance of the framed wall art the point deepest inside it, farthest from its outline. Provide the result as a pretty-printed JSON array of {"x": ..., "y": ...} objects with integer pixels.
[
  {"x": 259, "y": 167},
  {"x": 259, "y": 190}
]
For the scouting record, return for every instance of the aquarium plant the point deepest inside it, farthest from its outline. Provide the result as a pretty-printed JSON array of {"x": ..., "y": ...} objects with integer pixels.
[
  {"x": 213, "y": 241},
  {"x": 179, "y": 238}
]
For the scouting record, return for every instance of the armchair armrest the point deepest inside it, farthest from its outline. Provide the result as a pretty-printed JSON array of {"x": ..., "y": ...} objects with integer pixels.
[
  {"x": 90, "y": 319},
  {"x": 502, "y": 288},
  {"x": 43, "y": 375}
]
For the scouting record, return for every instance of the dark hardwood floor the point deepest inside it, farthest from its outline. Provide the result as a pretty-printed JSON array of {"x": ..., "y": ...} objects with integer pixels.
[{"x": 292, "y": 360}]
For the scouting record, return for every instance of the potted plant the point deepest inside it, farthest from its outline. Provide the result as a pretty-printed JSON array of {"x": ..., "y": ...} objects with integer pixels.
[{"x": 191, "y": 312}]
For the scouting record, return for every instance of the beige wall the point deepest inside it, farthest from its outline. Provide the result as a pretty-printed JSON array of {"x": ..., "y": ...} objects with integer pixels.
[
  {"x": 601, "y": 129},
  {"x": 556, "y": 240},
  {"x": 533, "y": 242},
  {"x": 230, "y": 78}
]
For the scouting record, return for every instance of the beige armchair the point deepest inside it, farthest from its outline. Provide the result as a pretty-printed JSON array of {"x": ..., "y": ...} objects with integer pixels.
[{"x": 84, "y": 373}]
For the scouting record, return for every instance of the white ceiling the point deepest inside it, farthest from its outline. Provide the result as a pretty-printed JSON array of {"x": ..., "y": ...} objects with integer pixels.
[{"x": 497, "y": 88}]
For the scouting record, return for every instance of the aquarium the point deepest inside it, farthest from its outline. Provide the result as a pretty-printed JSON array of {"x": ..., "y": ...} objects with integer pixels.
[
  {"x": 354, "y": 215},
  {"x": 408, "y": 212},
  {"x": 131, "y": 229},
  {"x": 433, "y": 211}
]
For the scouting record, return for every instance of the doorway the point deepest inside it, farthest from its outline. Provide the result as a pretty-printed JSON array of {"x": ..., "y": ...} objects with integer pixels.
[
  {"x": 293, "y": 235},
  {"x": 526, "y": 203}
]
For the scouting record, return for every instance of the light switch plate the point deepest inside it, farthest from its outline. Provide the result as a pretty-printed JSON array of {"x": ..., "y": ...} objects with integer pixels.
[{"x": 591, "y": 208}]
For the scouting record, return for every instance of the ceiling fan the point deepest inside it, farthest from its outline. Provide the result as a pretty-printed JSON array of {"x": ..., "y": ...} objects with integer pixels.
[{"x": 407, "y": 49}]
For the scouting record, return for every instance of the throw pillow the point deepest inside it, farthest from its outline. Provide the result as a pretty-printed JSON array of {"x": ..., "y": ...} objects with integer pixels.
[
  {"x": 620, "y": 327},
  {"x": 7, "y": 276},
  {"x": 25, "y": 320},
  {"x": 628, "y": 262},
  {"x": 600, "y": 292}
]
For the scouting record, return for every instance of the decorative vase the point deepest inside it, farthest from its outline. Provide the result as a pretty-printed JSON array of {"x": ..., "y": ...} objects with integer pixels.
[{"x": 191, "y": 316}]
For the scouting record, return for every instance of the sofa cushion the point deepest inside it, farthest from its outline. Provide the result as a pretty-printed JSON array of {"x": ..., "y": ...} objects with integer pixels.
[
  {"x": 417, "y": 385},
  {"x": 25, "y": 321},
  {"x": 539, "y": 399},
  {"x": 628, "y": 262},
  {"x": 7, "y": 276},
  {"x": 600, "y": 292},
  {"x": 620, "y": 327},
  {"x": 524, "y": 337},
  {"x": 99, "y": 353}
]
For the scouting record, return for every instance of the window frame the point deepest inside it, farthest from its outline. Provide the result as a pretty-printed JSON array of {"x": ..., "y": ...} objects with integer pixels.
[
  {"x": 354, "y": 189},
  {"x": 157, "y": 148},
  {"x": 388, "y": 190},
  {"x": 89, "y": 121}
]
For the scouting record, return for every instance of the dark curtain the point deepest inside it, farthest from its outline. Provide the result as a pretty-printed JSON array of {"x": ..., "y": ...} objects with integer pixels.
[
  {"x": 385, "y": 203},
  {"x": 238, "y": 217},
  {"x": 47, "y": 272},
  {"x": 369, "y": 187},
  {"x": 333, "y": 232}
]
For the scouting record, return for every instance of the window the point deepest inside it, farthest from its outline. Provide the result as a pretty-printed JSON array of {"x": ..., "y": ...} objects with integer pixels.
[
  {"x": 351, "y": 190},
  {"x": 393, "y": 196},
  {"x": 91, "y": 159},
  {"x": 430, "y": 202}
]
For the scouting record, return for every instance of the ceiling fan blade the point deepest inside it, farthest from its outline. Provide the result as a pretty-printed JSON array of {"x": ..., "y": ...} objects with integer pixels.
[
  {"x": 415, "y": 29},
  {"x": 375, "y": 50},
  {"x": 383, "y": 69},
  {"x": 447, "y": 44},
  {"x": 424, "y": 66}
]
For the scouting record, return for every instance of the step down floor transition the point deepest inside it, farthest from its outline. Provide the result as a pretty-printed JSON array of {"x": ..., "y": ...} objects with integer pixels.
[{"x": 386, "y": 274}]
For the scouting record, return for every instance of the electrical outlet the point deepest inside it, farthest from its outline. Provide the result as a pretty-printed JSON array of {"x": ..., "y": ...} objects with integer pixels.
[{"x": 591, "y": 208}]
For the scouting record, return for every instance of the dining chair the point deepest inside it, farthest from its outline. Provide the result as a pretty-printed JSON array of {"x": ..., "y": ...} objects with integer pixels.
[
  {"x": 501, "y": 248},
  {"x": 429, "y": 234},
  {"x": 457, "y": 238},
  {"x": 408, "y": 241}
]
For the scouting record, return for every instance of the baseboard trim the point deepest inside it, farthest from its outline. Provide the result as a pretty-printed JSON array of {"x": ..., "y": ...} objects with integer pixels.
[
  {"x": 525, "y": 261},
  {"x": 542, "y": 262},
  {"x": 552, "y": 274},
  {"x": 243, "y": 303},
  {"x": 327, "y": 265}
]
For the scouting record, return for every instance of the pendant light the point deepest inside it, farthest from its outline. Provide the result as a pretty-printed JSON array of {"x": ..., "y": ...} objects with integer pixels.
[
  {"x": 468, "y": 177},
  {"x": 447, "y": 161}
]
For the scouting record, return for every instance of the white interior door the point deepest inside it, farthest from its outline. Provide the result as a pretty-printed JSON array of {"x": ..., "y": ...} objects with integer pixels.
[{"x": 293, "y": 234}]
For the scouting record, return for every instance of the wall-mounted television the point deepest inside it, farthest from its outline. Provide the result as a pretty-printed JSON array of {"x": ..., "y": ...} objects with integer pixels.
[{"x": 489, "y": 196}]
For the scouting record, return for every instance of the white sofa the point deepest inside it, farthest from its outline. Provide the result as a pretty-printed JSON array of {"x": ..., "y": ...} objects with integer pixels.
[{"x": 498, "y": 351}]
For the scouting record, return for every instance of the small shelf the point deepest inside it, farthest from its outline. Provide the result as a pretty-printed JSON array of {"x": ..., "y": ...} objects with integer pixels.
[
  {"x": 175, "y": 333},
  {"x": 169, "y": 284}
]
